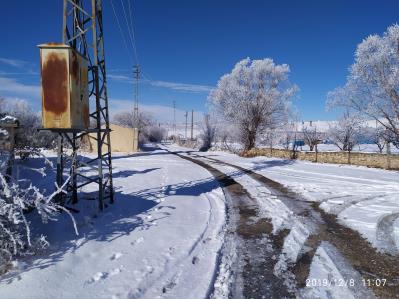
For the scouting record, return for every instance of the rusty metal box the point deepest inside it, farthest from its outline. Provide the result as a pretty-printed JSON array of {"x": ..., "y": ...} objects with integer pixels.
[{"x": 65, "y": 94}]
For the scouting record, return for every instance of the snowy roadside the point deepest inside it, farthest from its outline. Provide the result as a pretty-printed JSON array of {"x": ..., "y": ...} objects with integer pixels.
[
  {"x": 331, "y": 275},
  {"x": 160, "y": 239},
  {"x": 364, "y": 199}
]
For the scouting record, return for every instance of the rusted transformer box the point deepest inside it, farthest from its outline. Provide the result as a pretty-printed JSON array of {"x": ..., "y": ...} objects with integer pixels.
[{"x": 65, "y": 94}]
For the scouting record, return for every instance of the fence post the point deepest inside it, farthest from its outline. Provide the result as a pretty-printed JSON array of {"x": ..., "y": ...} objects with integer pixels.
[{"x": 388, "y": 156}]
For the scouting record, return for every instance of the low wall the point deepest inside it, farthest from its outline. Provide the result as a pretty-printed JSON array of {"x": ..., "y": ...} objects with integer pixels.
[
  {"x": 375, "y": 160},
  {"x": 122, "y": 140}
]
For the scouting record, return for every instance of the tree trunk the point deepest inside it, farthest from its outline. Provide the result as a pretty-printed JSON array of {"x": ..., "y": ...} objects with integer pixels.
[{"x": 251, "y": 138}]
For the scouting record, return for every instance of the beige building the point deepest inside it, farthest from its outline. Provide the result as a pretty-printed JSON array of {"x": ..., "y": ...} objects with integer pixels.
[{"x": 122, "y": 139}]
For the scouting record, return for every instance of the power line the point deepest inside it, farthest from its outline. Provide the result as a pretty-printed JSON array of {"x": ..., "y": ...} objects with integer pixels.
[
  {"x": 133, "y": 31},
  {"x": 121, "y": 31},
  {"x": 129, "y": 30}
]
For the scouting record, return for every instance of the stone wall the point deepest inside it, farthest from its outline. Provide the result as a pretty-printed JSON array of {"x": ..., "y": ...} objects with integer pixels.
[{"x": 362, "y": 159}]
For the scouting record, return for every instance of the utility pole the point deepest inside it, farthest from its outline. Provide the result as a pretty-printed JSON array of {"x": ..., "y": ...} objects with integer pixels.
[
  {"x": 185, "y": 135},
  {"x": 136, "y": 74},
  {"x": 192, "y": 124},
  {"x": 174, "y": 117},
  {"x": 136, "y": 120}
]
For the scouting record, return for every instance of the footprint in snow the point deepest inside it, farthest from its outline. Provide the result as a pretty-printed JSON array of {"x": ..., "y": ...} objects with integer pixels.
[
  {"x": 115, "y": 271},
  {"x": 138, "y": 241},
  {"x": 98, "y": 276},
  {"x": 103, "y": 275},
  {"x": 116, "y": 256}
]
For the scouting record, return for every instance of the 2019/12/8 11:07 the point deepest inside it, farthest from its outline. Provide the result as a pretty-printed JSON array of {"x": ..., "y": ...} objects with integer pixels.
[{"x": 345, "y": 282}]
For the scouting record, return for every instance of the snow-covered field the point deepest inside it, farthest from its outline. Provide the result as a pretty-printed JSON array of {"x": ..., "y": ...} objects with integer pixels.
[
  {"x": 159, "y": 239},
  {"x": 364, "y": 199},
  {"x": 165, "y": 236}
]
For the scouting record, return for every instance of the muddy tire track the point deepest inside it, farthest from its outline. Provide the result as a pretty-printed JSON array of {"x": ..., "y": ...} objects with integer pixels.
[
  {"x": 257, "y": 248},
  {"x": 364, "y": 258}
]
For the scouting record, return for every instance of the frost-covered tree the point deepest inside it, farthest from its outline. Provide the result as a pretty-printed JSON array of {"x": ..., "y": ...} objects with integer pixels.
[
  {"x": 149, "y": 130},
  {"x": 2, "y": 104},
  {"x": 208, "y": 132},
  {"x": 286, "y": 134},
  {"x": 378, "y": 136},
  {"x": 372, "y": 88},
  {"x": 255, "y": 96},
  {"x": 311, "y": 136},
  {"x": 156, "y": 134},
  {"x": 346, "y": 132},
  {"x": 226, "y": 135},
  {"x": 28, "y": 136},
  {"x": 126, "y": 119}
]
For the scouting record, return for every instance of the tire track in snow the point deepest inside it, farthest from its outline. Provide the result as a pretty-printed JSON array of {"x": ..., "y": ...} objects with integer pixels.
[
  {"x": 349, "y": 242},
  {"x": 385, "y": 231},
  {"x": 257, "y": 249},
  {"x": 163, "y": 284}
]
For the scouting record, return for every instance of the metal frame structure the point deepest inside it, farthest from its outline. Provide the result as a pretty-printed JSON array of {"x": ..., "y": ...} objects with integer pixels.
[{"x": 83, "y": 31}]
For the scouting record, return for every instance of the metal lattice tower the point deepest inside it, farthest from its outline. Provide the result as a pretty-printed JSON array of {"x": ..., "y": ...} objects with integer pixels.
[{"x": 83, "y": 31}]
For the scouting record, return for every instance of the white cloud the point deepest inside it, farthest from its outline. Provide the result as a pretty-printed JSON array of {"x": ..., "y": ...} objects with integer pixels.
[
  {"x": 163, "y": 114},
  {"x": 13, "y": 87},
  {"x": 182, "y": 86},
  {"x": 165, "y": 84},
  {"x": 14, "y": 62},
  {"x": 121, "y": 78}
]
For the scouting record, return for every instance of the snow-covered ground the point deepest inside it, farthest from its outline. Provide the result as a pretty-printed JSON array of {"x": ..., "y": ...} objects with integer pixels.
[
  {"x": 364, "y": 199},
  {"x": 362, "y": 148},
  {"x": 165, "y": 235},
  {"x": 159, "y": 240}
]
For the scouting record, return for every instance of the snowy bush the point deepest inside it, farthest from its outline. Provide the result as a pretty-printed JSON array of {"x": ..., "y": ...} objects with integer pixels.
[
  {"x": 28, "y": 136},
  {"x": 15, "y": 229},
  {"x": 156, "y": 134}
]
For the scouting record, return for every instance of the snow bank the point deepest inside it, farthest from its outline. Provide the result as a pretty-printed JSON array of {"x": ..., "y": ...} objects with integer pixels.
[{"x": 161, "y": 238}]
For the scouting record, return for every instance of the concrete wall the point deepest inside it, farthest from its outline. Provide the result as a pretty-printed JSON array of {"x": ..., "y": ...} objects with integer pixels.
[
  {"x": 122, "y": 140},
  {"x": 362, "y": 159}
]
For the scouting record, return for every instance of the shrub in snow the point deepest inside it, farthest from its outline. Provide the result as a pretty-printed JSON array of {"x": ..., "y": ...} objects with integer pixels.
[
  {"x": 28, "y": 136},
  {"x": 155, "y": 134},
  {"x": 15, "y": 229}
]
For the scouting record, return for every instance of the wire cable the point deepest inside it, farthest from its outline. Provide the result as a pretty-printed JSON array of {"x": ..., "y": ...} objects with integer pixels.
[
  {"x": 129, "y": 29},
  {"x": 131, "y": 14},
  {"x": 121, "y": 31}
]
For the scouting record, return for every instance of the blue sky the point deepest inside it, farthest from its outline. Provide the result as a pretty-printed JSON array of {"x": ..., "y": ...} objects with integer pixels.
[{"x": 185, "y": 46}]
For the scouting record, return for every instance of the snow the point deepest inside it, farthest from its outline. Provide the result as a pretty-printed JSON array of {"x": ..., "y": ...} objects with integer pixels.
[
  {"x": 166, "y": 235},
  {"x": 331, "y": 276},
  {"x": 8, "y": 120},
  {"x": 364, "y": 199},
  {"x": 161, "y": 238},
  {"x": 360, "y": 148}
]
